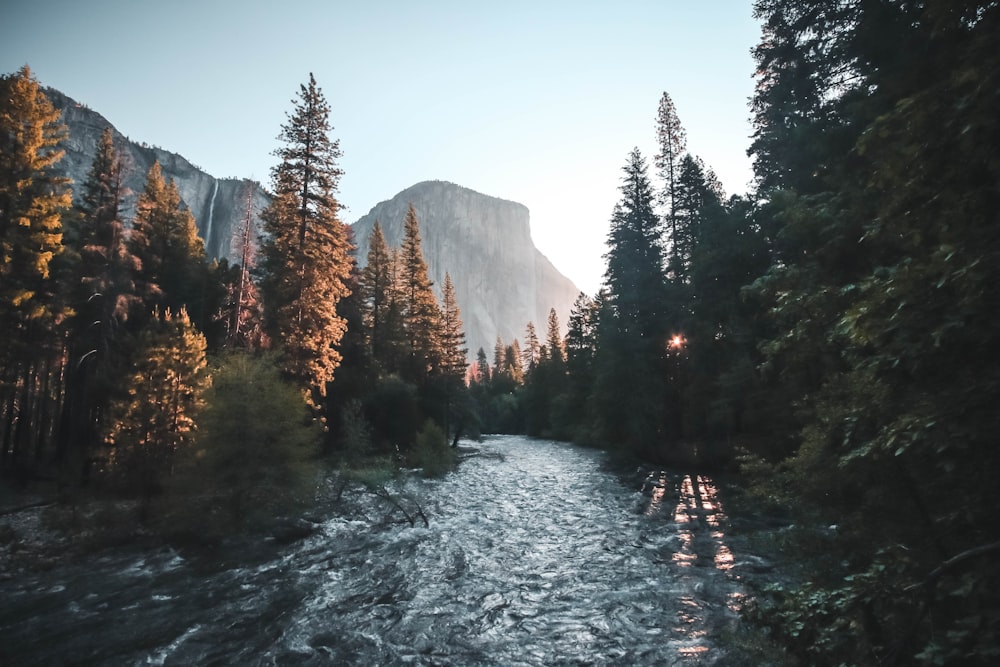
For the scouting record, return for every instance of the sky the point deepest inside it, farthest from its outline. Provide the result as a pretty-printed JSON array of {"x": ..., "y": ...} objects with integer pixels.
[{"x": 536, "y": 102}]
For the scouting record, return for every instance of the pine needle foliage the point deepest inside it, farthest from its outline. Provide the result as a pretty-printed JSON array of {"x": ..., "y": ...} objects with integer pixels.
[{"x": 306, "y": 260}]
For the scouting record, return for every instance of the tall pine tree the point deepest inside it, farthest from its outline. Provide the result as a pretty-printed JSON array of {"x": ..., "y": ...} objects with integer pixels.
[
  {"x": 170, "y": 254},
  {"x": 306, "y": 252},
  {"x": 633, "y": 331},
  {"x": 421, "y": 314},
  {"x": 32, "y": 203},
  {"x": 104, "y": 292}
]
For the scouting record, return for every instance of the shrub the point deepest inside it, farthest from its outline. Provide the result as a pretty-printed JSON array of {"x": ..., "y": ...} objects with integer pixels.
[{"x": 432, "y": 452}]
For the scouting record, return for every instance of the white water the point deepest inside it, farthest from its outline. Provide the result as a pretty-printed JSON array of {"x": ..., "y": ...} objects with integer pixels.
[
  {"x": 211, "y": 215},
  {"x": 536, "y": 554}
]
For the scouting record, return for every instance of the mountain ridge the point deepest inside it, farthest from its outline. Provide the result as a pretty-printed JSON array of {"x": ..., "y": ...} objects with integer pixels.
[{"x": 510, "y": 284}]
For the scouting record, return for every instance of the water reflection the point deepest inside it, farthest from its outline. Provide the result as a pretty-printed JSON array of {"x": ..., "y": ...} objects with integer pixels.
[{"x": 698, "y": 515}]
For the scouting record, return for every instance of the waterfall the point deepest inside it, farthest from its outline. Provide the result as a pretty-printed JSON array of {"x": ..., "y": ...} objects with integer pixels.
[{"x": 211, "y": 212}]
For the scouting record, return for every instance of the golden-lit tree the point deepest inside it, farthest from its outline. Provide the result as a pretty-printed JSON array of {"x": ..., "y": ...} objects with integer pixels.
[
  {"x": 165, "y": 392},
  {"x": 306, "y": 259},
  {"x": 32, "y": 203}
]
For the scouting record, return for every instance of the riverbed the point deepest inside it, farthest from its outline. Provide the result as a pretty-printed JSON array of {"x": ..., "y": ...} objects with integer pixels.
[{"x": 535, "y": 553}]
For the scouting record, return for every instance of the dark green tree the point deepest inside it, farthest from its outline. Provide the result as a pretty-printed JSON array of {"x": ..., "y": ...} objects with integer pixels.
[
  {"x": 631, "y": 407},
  {"x": 881, "y": 190},
  {"x": 170, "y": 255},
  {"x": 104, "y": 292},
  {"x": 672, "y": 143},
  {"x": 421, "y": 314},
  {"x": 378, "y": 285},
  {"x": 255, "y": 449},
  {"x": 454, "y": 353}
]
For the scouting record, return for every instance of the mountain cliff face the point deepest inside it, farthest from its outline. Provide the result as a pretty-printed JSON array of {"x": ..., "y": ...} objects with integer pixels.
[
  {"x": 502, "y": 281},
  {"x": 219, "y": 206}
]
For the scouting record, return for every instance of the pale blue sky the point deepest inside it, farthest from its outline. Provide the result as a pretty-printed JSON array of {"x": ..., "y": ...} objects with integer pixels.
[{"x": 537, "y": 102}]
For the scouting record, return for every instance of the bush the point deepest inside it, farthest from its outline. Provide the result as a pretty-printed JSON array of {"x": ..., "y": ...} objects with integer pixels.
[
  {"x": 255, "y": 455},
  {"x": 432, "y": 452}
]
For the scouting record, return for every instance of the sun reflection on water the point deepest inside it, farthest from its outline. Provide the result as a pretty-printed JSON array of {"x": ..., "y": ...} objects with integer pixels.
[{"x": 698, "y": 506}]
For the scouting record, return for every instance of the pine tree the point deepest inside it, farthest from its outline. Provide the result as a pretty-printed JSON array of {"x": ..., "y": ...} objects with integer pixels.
[
  {"x": 633, "y": 330},
  {"x": 32, "y": 203},
  {"x": 306, "y": 252},
  {"x": 420, "y": 311},
  {"x": 164, "y": 395},
  {"x": 243, "y": 311},
  {"x": 532, "y": 349},
  {"x": 482, "y": 367},
  {"x": 498, "y": 357},
  {"x": 378, "y": 285},
  {"x": 104, "y": 293},
  {"x": 874, "y": 149},
  {"x": 554, "y": 339},
  {"x": 672, "y": 141},
  {"x": 581, "y": 349},
  {"x": 455, "y": 354},
  {"x": 512, "y": 362},
  {"x": 170, "y": 254},
  {"x": 254, "y": 444}
]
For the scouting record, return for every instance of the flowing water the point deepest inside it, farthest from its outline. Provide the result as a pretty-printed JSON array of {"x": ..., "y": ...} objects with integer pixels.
[{"x": 536, "y": 553}]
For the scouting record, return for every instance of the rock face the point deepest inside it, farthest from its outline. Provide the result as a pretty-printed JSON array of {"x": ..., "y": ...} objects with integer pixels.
[
  {"x": 501, "y": 280},
  {"x": 219, "y": 206}
]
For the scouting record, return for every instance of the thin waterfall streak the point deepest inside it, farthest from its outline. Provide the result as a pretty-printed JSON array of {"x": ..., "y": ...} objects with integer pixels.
[{"x": 211, "y": 214}]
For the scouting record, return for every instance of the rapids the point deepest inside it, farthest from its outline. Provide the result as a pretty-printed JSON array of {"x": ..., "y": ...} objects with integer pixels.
[{"x": 536, "y": 553}]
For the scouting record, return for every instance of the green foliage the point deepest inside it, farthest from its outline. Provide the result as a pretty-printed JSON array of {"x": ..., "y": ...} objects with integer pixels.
[
  {"x": 432, "y": 453},
  {"x": 421, "y": 315},
  {"x": 170, "y": 255},
  {"x": 394, "y": 412},
  {"x": 881, "y": 301},
  {"x": 164, "y": 396},
  {"x": 255, "y": 454},
  {"x": 629, "y": 385},
  {"x": 356, "y": 434}
]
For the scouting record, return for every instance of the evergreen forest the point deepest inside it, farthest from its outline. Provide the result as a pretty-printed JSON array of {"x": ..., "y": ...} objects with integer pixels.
[{"x": 823, "y": 340}]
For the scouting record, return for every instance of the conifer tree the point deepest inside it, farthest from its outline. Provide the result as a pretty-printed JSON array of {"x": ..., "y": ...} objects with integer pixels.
[
  {"x": 104, "y": 293},
  {"x": 242, "y": 310},
  {"x": 672, "y": 142},
  {"x": 532, "y": 348},
  {"x": 420, "y": 311},
  {"x": 306, "y": 251},
  {"x": 482, "y": 367},
  {"x": 170, "y": 254},
  {"x": 454, "y": 352},
  {"x": 164, "y": 395},
  {"x": 32, "y": 203},
  {"x": 633, "y": 331},
  {"x": 553, "y": 339},
  {"x": 512, "y": 361},
  {"x": 254, "y": 445},
  {"x": 378, "y": 285}
]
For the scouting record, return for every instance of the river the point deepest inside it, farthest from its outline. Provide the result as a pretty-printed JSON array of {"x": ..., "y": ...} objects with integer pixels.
[{"x": 536, "y": 553}]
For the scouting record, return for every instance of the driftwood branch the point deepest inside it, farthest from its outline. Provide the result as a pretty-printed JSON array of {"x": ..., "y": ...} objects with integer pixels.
[
  {"x": 384, "y": 493},
  {"x": 954, "y": 562}
]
